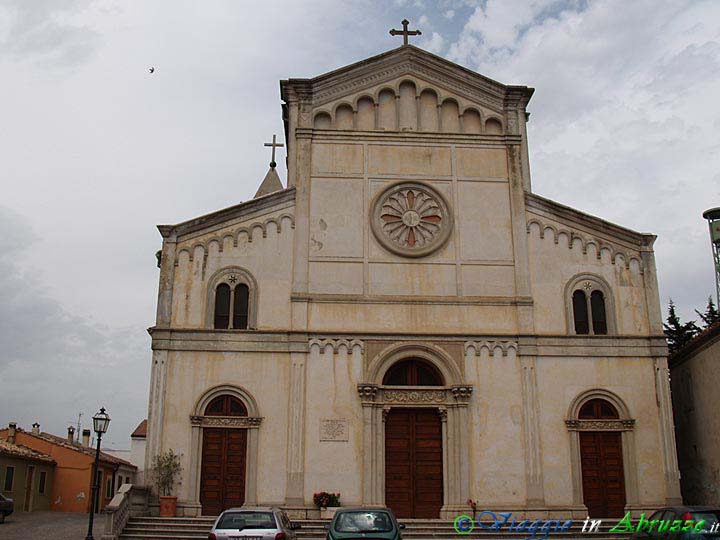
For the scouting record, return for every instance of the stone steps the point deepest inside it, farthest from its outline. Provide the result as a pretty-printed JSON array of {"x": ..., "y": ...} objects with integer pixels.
[{"x": 155, "y": 528}]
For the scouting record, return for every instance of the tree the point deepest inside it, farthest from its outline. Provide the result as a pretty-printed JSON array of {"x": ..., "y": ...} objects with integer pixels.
[
  {"x": 676, "y": 332},
  {"x": 711, "y": 314}
]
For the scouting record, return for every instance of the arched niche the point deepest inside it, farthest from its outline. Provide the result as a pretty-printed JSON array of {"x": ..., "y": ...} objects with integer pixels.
[
  {"x": 493, "y": 126},
  {"x": 322, "y": 121},
  {"x": 450, "y": 116},
  {"x": 365, "y": 114},
  {"x": 429, "y": 110},
  {"x": 408, "y": 106},
  {"x": 344, "y": 117},
  {"x": 387, "y": 117},
  {"x": 472, "y": 123}
]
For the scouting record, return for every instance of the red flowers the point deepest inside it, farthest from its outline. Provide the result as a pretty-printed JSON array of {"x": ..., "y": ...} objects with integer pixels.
[
  {"x": 325, "y": 499},
  {"x": 472, "y": 504}
]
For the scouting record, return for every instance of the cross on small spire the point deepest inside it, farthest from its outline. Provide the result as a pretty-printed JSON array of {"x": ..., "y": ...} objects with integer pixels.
[
  {"x": 274, "y": 146},
  {"x": 405, "y": 32}
]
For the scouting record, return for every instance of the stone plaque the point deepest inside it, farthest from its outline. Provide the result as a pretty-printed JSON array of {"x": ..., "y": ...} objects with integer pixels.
[{"x": 334, "y": 429}]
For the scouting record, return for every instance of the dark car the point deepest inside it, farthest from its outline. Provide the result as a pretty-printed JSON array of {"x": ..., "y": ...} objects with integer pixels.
[
  {"x": 693, "y": 522},
  {"x": 364, "y": 523},
  {"x": 6, "y": 508}
]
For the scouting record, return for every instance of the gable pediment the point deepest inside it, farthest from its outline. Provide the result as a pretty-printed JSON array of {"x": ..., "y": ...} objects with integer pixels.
[
  {"x": 409, "y": 69},
  {"x": 407, "y": 62}
]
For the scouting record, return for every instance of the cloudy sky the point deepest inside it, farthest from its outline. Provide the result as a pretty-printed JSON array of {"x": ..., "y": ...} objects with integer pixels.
[{"x": 95, "y": 151}]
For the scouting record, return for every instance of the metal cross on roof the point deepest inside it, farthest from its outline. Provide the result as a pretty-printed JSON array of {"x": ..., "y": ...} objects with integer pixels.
[
  {"x": 274, "y": 146},
  {"x": 405, "y": 32}
]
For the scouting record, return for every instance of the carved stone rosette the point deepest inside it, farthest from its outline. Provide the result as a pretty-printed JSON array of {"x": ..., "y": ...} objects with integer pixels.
[
  {"x": 600, "y": 425},
  {"x": 242, "y": 422},
  {"x": 411, "y": 219}
]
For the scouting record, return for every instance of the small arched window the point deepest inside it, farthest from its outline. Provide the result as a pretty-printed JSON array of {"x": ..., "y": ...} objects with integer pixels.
[
  {"x": 598, "y": 409},
  {"x": 232, "y": 299},
  {"x": 222, "y": 306},
  {"x": 413, "y": 372},
  {"x": 588, "y": 308},
  {"x": 226, "y": 405}
]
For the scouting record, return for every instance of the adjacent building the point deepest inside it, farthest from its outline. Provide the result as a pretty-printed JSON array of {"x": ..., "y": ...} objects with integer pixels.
[
  {"x": 70, "y": 487},
  {"x": 26, "y": 476},
  {"x": 408, "y": 322},
  {"x": 694, "y": 375}
]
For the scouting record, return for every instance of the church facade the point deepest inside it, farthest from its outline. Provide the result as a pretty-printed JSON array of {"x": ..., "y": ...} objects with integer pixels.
[{"x": 407, "y": 323}]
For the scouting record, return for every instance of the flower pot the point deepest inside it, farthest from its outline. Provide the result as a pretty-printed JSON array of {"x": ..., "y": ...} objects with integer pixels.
[
  {"x": 168, "y": 505},
  {"x": 329, "y": 512}
]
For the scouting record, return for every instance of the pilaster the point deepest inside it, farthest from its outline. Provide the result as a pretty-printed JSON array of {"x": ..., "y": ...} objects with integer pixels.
[
  {"x": 531, "y": 432},
  {"x": 667, "y": 432},
  {"x": 296, "y": 432}
]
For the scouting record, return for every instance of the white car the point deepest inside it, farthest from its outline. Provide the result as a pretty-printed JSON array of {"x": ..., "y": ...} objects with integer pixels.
[{"x": 253, "y": 523}]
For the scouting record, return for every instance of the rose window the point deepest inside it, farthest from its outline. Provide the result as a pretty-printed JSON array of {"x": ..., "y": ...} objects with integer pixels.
[{"x": 411, "y": 219}]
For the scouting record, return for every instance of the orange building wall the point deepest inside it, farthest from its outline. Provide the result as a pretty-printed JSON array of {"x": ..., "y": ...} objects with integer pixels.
[{"x": 71, "y": 488}]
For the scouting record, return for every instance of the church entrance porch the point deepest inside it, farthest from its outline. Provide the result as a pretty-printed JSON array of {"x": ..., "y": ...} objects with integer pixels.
[{"x": 413, "y": 463}]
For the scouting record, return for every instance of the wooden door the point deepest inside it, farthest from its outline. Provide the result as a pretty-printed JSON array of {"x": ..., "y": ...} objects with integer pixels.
[
  {"x": 602, "y": 473},
  {"x": 222, "y": 481},
  {"x": 29, "y": 476},
  {"x": 413, "y": 463}
]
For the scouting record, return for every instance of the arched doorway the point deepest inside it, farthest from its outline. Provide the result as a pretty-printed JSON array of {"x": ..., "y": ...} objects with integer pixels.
[
  {"x": 601, "y": 460},
  {"x": 224, "y": 457},
  {"x": 413, "y": 446}
]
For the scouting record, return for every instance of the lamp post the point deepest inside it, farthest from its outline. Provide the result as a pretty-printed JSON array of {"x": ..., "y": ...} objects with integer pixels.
[
  {"x": 713, "y": 218},
  {"x": 101, "y": 421}
]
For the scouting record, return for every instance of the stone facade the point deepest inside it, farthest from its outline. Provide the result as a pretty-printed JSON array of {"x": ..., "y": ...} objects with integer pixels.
[
  {"x": 409, "y": 229},
  {"x": 694, "y": 374}
]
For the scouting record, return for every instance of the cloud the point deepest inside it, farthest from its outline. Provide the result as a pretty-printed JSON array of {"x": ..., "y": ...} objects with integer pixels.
[
  {"x": 47, "y": 31},
  {"x": 55, "y": 364},
  {"x": 624, "y": 125}
]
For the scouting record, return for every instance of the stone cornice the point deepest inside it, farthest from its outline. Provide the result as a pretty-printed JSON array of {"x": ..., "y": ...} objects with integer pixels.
[
  {"x": 401, "y": 299},
  {"x": 220, "y": 218},
  {"x": 587, "y": 223},
  {"x": 269, "y": 341},
  {"x": 408, "y": 137}
]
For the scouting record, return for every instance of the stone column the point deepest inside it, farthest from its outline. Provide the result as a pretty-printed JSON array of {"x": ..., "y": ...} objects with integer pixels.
[
  {"x": 296, "y": 431},
  {"x": 531, "y": 433},
  {"x": 667, "y": 432}
]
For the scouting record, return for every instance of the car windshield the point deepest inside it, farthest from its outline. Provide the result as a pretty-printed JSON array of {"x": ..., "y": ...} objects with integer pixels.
[
  {"x": 246, "y": 520},
  {"x": 710, "y": 518},
  {"x": 365, "y": 521}
]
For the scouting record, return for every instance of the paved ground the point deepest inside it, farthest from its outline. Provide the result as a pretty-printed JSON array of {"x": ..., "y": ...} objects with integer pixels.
[{"x": 48, "y": 526}]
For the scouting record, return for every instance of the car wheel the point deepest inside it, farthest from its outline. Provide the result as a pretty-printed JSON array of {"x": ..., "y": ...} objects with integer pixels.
[{"x": 2, "y": 517}]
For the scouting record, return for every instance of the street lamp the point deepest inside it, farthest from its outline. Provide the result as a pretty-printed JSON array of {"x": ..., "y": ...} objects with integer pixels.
[{"x": 101, "y": 421}]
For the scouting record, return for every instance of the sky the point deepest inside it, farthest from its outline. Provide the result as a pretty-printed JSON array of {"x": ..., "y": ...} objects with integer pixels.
[{"x": 95, "y": 150}]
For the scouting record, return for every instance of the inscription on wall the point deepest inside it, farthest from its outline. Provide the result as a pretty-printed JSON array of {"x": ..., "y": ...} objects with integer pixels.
[{"x": 334, "y": 429}]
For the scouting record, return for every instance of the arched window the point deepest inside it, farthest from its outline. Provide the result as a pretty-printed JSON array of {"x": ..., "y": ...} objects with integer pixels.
[
  {"x": 241, "y": 306},
  {"x": 232, "y": 300},
  {"x": 226, "y": 405},
  {"x": 413, "y": 372},
  {"x": 589, "y": 306},
  {"x": 598, "y": 409},
  {"x": 222, "y": 306}
]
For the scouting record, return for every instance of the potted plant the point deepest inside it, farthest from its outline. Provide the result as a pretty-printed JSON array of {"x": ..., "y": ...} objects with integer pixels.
[
  {"x": 166, "y": 467},
  {"x": 473, "y": 505},
  {"x": 327, "y": 502}
]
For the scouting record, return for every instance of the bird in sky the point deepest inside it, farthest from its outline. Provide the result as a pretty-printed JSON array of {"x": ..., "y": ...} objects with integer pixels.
[{"x": 151, "y": 70}]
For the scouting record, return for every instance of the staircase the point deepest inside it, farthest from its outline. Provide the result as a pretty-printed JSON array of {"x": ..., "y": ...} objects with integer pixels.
[{"x": 155, "y": 528}]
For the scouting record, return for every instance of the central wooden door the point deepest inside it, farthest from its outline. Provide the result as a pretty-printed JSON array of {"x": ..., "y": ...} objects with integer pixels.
[
  {"x": 222, "y": 483},
  {"x": 602, "y": 473},
  {"x": 413, "y": 463}
]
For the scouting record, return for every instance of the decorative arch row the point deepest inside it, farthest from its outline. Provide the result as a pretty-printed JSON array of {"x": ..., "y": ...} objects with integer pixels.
[
  {"x": 615, "y": 254},
  {"x": 406, "y": 107},
  {"x": 249, "y": 232}
]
